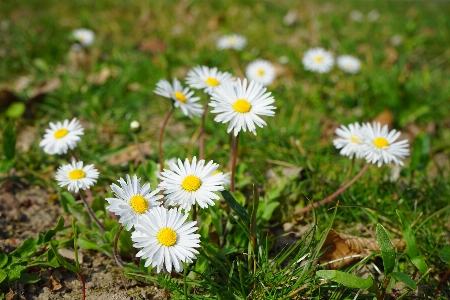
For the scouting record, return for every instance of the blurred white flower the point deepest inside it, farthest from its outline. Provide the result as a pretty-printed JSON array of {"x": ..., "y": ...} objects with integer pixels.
[
  {"x": 348, "y": 63},
  {"x": 396, "y": 40},
  {"x": 318, "y": 60},
  {"x": 208, "y": 79},
  {"x": 62, "y": 136},
  {"x": 231, "y": 41},
  {"x": 350, "y": 140},
  {"x": 84, "y": 36},
  {"x": 261, "y": 71},
  {"x": 356, "y": 15},
  {"x": 373, "y": 15}
]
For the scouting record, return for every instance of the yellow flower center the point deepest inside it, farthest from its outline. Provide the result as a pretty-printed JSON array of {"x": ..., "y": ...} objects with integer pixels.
[
  {"x": 180, "y": 97},
  {"x": 242, "y": 106},
  {"x": 261, "y": 72},
  {"x": 167, "y": 237},
  {"x": 231, "y": 40},
  {"x": 381, "y": 142},
  {"x": 212, "y": 81},
  {"x": 318, "y": 59},
  {"x": 139, "y": 204},
  {"x": 77, "y": 174},
  {"x": 191, "y": 183},
  {"x": 60, "y": 133},
  {"x": 356, "y": 139}
]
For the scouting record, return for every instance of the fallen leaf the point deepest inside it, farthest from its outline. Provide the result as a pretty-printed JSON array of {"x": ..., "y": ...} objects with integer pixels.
[
  {"x": 45, "y": 87},
  {"x": 342, "y": 249},
  {"x": 100, "y": 77},
  {"x": 10, "y": 295},
  {"x": 130, "y": 153},
  {"x": 152, "y": 46},
  {"x": 385, "y": 118},
  {"x": 391, "y": 56},
  {"x": 53, "y": 284}
]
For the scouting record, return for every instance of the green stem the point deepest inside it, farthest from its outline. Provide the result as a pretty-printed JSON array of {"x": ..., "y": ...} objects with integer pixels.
[
  {"x": 116, "y": 242},
  {"x": 202, "y": 131},
  {"x": 90, "y": 211},
  {"x": 233, "y": 162},
  {"x": 166, "y": 119}
]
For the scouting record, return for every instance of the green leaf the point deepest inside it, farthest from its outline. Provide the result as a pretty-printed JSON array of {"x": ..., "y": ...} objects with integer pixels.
[
  {"x": 125, "y": 243},
  {"x": 240, "y": 211},
  {"x": 444, "y": 254},
  {"x": 420, "y": 154},
  {"x": 3, "y": 260},
  {"x": 67, "y": 200},
  {"x": 420, "y": 263},
  {"x": 52, "y": 232},
  {"x": 29, "y": 278},
  {"x": 26, "y": 250},
  {"x": 61, "y": 258},
  {"x": 15, "y": 110},
  {"x": 9, "y": 140},
  {"x": 3, "y": 275},
  {"x": 87, "y": 244},
  {"x": 405, "y": 279},
  {"x": 15, "y": 271},
  {"x": 387, "y": 249},
  {"x": 266, "y": 210},
  {"x": 6, "y": 165},
  {"x": 346, "y": 279}
]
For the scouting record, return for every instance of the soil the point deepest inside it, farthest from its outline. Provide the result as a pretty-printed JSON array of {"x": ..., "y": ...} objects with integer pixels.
[{"x": 27, "y": 210}]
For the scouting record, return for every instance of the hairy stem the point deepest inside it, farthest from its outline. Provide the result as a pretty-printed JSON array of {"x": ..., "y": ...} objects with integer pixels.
[
  {"x": 161, "y": 165},
  {"x": 116, "y": 242},
  {"x": 91, "y": 212}
]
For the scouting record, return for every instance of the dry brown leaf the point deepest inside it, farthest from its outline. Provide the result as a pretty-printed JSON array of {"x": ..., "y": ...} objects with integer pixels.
[
  {"x": 26, "y": 138},
  {"x": 10, "y": 295},
  {"x": 342, "y": 249},
  {"x": 45, "y": 87},
  {"x": 152, "y": 46},
  {"x": 391, "y": 56},
  {"x": 385, "y": 118},
  {"x": 130, "y": 153},
  {"x": 100, "y": 77},
  {"x": 53, "y": 284}
]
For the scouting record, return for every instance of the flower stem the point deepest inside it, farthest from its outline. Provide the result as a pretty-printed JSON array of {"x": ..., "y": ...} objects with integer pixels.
[
  {"x": 233, "y": 161},
  {"x": 441, "y": 282},
  {"x": 335, "y": 194},
  {"x": 160, "y": 139},
  {"x": 90, "y": 211},
  {"x": 83, "y": 285},
  {"x": 194, "y": 212},
  {"x": 202, "y": 130},
  {"x": 116, "y": 253},
  {"x": 139, "y": 150}
]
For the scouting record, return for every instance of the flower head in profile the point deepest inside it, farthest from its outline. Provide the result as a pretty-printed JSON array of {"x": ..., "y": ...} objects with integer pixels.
[
  {"x": 208, "y": 79},
  {"x": 241, "y": 104},
  {"x": 182, "y": 97},
  {"x": 350, "y": 140},
  {"x": 166, "y": 239},
  {"x": 190, "y": 183},
  {"x": 231, "y": 41},
  {"x": 132, "y": 201},
  {"x": 83, "y": 36},
  {"x": 261, "y": 71},
  {"x": 77, "y": 177},
  {"x": 348, "y": 63},
  {"x": 62, "y": 136},
  {"x": 380, "y": 145},
  {"x": 318, "y": 60}
]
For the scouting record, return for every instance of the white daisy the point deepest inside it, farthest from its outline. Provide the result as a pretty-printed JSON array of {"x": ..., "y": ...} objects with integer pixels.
[
  {"x": 380, "y": 146},
  {"x": 351, "y": 141},
  {"x": 208, "y": 79},
  {"x": 239, "y": 104},
  {"x": 84, "y": 36},
  {"x": 133, "y": 201},
  {"x": 76, "y": 176},
  {"x": 348, "y": 63},
  {"x": 62, "y": 136},
  {"x": 182, "y": 97},
  {"x": 318, "y": 60},
  {"x": 165, "y": 239},
  {"x": 260, "y": 70},
  {"x": 231, "y": 41},
  {"x": 185, "y": 184}
]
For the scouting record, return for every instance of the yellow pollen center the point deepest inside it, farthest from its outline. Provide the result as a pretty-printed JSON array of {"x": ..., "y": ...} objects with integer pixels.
[
  {"x": 77, "y": 174},
  {"x": 139, "y": 204},
  {"x": 180, "y": 97},
  {"x": 318, "y": 59},
  {"x": 242, "y": 106},
  {"x": 60, "y": 133},
  {"x": 356, "y": 139},
  {"x": 381, "y": 142},
  {"x": 167, "y": 237},
  {"x": 191, "y": 183},
  {"x": 212, "y": 81},
  {"x": 261, "y": 72}
]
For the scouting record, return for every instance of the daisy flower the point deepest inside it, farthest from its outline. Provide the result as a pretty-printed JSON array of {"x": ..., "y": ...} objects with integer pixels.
[
  {"x": 77, "y": 177},
  {"x": 185, "y": 184},
  {"x": 62, "y": 136},
  {"x": 84, "y": 36},
  {"x": 348, "y": 63},
  {"x": 261, "y": 71},
  {"x": 380, "y": 146},
  {"x": 350, "y": 140},
  {"x": 182, "y": 97},
  {"x": 318, "y": 60},
  {"x": 132, "y": 201},
  {"x": 208, "y": 79},
  {"x": 165, "y": 239},
  {"x": 240, "y": 104},
  {"x": 232, "y": 41}
]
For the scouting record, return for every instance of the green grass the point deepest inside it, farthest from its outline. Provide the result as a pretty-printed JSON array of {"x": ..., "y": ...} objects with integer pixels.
[{"x": 409, "y": 79}]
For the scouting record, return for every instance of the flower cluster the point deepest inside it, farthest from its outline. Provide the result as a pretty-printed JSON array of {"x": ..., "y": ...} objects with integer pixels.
[
  {"x": 373, "y": 142},
  {"x": 321, "y": 61}
]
